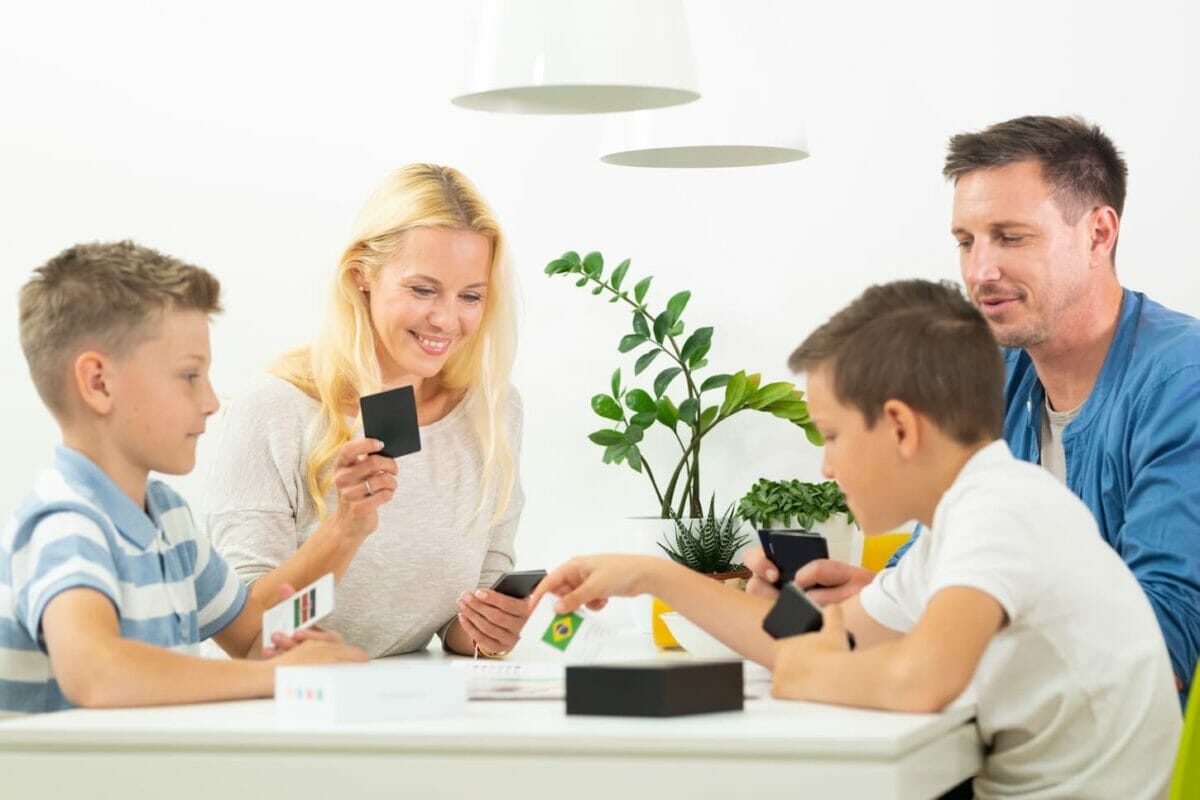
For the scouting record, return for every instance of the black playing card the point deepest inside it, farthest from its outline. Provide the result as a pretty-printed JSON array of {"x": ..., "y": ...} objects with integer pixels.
[{"x": 391, "y": 417}]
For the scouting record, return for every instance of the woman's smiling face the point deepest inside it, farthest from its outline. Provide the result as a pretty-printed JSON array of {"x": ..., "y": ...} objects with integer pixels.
[{"x": 428, "y": 299}]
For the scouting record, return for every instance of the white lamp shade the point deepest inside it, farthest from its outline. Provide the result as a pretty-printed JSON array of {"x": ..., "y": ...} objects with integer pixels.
[
  {"x": 580, "y": 57},
  {"x": 716, "y": 132}
]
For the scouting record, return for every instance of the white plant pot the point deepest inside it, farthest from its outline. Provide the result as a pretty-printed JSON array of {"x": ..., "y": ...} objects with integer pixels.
[{"x": 844, "y": 538}]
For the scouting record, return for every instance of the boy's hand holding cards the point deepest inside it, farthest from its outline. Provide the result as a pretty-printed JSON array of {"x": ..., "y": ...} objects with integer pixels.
[
  {"x": 794, "y": 614},
  {"x": 391, "y": 417},
  {"x": 791, "y": 550},
  {"x": 302, "y": 610}
]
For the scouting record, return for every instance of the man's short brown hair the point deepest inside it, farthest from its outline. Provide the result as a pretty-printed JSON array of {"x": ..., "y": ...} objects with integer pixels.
[
  {"x": 919, "y": 342},
  {"x": 1079, "y": 162},
  {"x": 104, "y": 296}
]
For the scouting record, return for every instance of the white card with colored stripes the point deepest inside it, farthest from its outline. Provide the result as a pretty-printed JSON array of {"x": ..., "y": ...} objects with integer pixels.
[{"x": 304, "y": 609}]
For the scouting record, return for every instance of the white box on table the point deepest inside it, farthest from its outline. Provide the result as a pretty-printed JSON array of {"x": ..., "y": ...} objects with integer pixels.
[{"x": 375, "y": 692}]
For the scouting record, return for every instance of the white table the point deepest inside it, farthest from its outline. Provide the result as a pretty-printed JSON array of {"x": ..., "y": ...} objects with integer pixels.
[{"x": 499, "y": 749}]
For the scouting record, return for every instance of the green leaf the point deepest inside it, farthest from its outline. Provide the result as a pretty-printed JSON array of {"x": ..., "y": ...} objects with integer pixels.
[
  {"x": 814, "y": 436},
  {"x": 708, "y": 417},
  {"x": 634, "y": 458},
  {"x": 558, "y": 266},
  {"x": 643, "y": 420},
  {"x": 606, "y": 437},
  {"x": 613, "y": 453},
  {"x": 789, "y": 409},
  {"x": 769, "y": 394},
  {"x": 640, "y": 326},
  {"x": 645, "y": 359},
  {"x": 607, "y": 407},
  {"x": 668, "y": 414},
  {"x": 664, "y": 380},
  {"x": 616, "y": 384},
  {"x": 640, "y": 289},
  {"x": 571, "y": 257},
  {"x": 633, "y": 434},
  {"x": 619, "y": 275},
  {"x": 700, "y": 338},
  {"x": 735, "y": 392},
  {"x": 662, "y": 324},
  {"x": 688, "y": 410},
  {"x": 614, "y": 299},
  {"x": 582, "y": 281},
  {"x": 715, "y": 382},
  {"x": 640, "y": 401},
  {"x": 593, "y": 264},
  {"x": 676, "y": 305},
  {"x": 676, "y": 330},
  {"x": 598, "y": 290},
  {"x": 631, "y": 341}
]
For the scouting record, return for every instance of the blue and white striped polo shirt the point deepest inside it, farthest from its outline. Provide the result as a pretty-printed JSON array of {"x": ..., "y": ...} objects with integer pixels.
[{"x": 77, "y": 529}]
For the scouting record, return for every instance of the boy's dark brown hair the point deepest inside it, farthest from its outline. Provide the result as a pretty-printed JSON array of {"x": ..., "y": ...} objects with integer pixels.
[
  {"x": 1079, "y": 162},
  {"x": 919, "y": 342},
  {"x": 103, "y": 296}
]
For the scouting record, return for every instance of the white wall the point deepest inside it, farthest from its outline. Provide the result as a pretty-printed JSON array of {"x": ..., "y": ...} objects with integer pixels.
[{"x": 244, "y": 136}]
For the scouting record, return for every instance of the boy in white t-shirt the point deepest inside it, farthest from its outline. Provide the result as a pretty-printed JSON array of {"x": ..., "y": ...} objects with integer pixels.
[{"x": 1012, "y": 593}]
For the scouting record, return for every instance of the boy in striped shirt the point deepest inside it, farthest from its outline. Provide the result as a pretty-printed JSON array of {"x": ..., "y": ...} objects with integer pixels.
[{"x": 106, "y": 585}]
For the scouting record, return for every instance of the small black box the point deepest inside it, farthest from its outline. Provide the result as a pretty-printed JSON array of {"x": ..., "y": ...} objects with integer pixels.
[{"x": 654, "y": 689}]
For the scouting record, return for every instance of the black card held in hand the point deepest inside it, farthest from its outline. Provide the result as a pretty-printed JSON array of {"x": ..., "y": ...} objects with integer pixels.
[{"x": 391, "y": 417}]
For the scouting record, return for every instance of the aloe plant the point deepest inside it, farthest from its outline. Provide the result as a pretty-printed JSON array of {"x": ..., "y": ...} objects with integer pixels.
[
  {"x": 707, "y": 545},
  {"x": 632, "y": 411}
]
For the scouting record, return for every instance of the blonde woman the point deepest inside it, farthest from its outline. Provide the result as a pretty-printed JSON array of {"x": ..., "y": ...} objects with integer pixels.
[{"x": 422, "y": 297}]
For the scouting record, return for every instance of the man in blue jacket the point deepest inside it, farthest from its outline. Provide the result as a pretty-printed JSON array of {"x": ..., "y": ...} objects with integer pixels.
[{"x": 1103, "y": 383}]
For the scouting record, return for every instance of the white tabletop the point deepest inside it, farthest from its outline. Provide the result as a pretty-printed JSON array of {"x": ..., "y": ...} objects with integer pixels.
[
  {"x": 766, "y": 727},
  {"x": 512, "y": 747}
]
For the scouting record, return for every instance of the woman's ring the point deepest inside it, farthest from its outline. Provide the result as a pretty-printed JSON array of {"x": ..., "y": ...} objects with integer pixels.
[{"x": 367, "y": 483}]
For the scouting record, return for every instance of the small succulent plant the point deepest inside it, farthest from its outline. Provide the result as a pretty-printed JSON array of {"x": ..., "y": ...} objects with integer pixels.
[{"x": 709, "y": 543}]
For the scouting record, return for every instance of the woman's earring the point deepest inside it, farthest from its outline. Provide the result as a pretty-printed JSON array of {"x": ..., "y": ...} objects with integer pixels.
[{"x": 362, "y": 289}]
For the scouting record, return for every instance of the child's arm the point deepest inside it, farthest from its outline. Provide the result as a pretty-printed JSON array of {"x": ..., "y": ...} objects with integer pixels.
[
  {"x": 732, "y": 616},
  {"x": 921, "y": 671},
  {"x": 95, "y": 667}
]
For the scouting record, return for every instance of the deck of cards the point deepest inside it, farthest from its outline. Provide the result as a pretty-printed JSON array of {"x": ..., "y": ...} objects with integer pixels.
[{"x": 304, "y": 609}]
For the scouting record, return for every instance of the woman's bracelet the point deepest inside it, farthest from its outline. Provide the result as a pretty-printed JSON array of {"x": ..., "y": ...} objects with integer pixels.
[{"x": 479, "y": 651}]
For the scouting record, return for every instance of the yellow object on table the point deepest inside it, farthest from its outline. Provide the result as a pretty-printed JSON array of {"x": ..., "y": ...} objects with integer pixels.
[
  {"x": 662, "y": 634},
  {"x": 878, "y": 549}
]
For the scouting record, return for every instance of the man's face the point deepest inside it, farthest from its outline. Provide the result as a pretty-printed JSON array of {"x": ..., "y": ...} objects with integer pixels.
[
  {"x": 862, "y": 460},
  {"x": 1023, "y": 264},
  {"x": 162, "y": 395}
]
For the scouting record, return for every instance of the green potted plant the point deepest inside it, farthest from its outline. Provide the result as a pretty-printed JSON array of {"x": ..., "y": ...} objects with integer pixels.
[
  {"x": 677, "y": 403},
  {"x": 817, "y": 507},
  {"x": 709, "y": 545},
  {"x": 690, "y": 412}
]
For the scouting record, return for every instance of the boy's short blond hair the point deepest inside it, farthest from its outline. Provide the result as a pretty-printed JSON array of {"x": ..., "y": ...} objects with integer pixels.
[{"x": 102, "y": 296}]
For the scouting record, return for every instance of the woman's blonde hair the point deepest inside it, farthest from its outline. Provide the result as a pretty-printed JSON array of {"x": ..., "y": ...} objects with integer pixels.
[{"x": 341, "y": 364}]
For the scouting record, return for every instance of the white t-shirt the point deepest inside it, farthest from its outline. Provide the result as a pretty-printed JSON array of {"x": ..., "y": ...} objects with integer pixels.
[{"x": 1075, "y": 694}]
